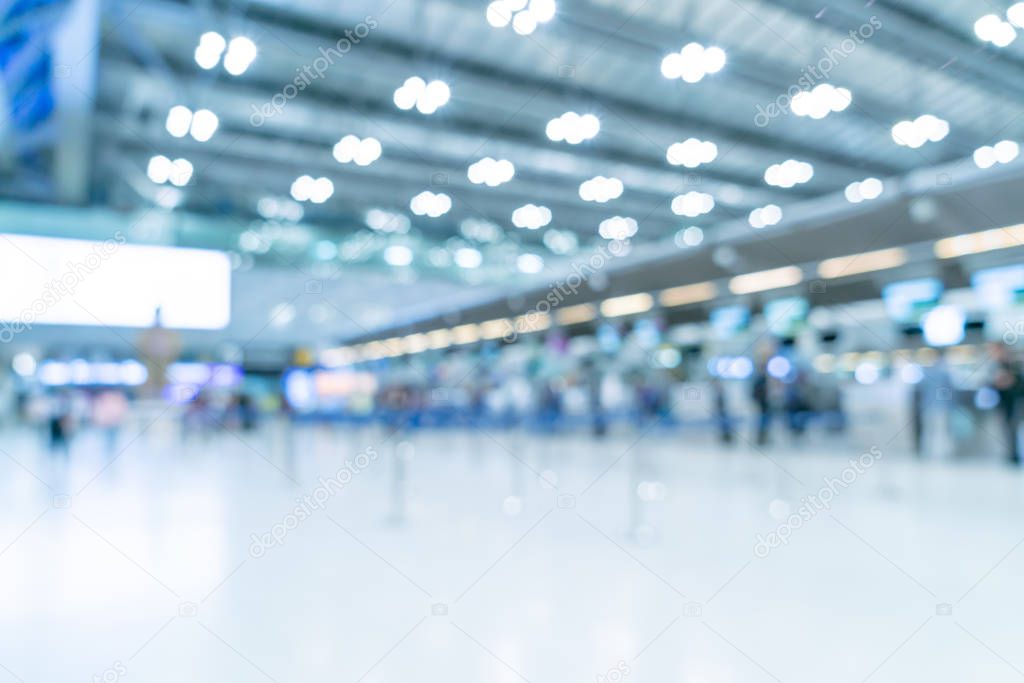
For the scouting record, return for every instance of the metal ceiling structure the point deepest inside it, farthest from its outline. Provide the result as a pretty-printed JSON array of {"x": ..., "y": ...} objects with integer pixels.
[{"x": 899, "y": 59}]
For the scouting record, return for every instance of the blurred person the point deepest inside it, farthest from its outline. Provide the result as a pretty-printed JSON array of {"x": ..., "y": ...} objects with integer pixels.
[
  {"x": 936, "y": 398},
  {"x": 760, "y": 393},
  {"x": 721, "y": 410},
  {"x": 109, "y": 408},
  {"x": 1006, "y": 379},
  {"x": 60, "y": 424},
  {"x": 593, "y": 379}
]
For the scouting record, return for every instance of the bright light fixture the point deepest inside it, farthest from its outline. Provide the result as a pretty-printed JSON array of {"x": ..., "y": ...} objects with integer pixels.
[
  {"x": 398, "y": 255},
  {"x": 789, "y": 173},
  {"x": 574, "y": 315},
  {"x": 600, "y": 189},
  {"x": 765, "y": 216},
  {"x": 864, "y": 190},
  {"x": 631, "y": 304},
  {"x": 351, "y": 148},
  {"x": 1001, "y": 153},
  {"x": 573, "y": 128},
  {"x": 387, "y": 221},
  {"x": 211, "y": 47},
  {"x": 689, "y": 237},
  {"x": 468, "y": 257},
  {"x": 688, "y": 294},
  {"x": 308, "y": 189},
  {"x": 693, "y": 63},
  {"x": 823, "y": 100},
  {"x": 182, "y": 121},
  {"x": 992, "y": 29},
  {"x": 531, "y": 217},
  {"x": 179, "y": 119},
  {"x": 427, "y": 98},
  {"x": 764, "y": 280},
  {"x": 693, "y": 204},
  {"x": 491, "y": 172},
  {"x": 427, "y": 203},
  {"x": 162, "y": 170},
  {"x": 241, "y": 53},
  {"x": 868, "y": 262},
  {"x": 529, "y": 263},
  {"x": 617, "y": 228},
  {"x": 980, "y": 242},
  {"x": 916, "y": 133},
  {"x": 691, "y": 153},
  {"x": 523, "y": 17}
]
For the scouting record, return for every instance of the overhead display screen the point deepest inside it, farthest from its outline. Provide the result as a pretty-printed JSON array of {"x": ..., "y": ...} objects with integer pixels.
[{"x": 45, "y": 280}]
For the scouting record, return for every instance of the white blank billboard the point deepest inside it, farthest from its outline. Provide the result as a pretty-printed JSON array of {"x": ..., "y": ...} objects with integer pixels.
[{"x": 45, "y": 280}]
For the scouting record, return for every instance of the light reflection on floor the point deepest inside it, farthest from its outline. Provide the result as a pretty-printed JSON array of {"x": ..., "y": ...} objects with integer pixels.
[{"x": 501, "y": 556}]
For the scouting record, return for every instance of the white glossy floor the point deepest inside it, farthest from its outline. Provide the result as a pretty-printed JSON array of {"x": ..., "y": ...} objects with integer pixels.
[{"x": 501, "y": 557}]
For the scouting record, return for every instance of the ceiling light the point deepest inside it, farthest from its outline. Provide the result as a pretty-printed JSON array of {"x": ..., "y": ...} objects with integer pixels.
[
  {"x": 427, "y": 203},
  {"x": 765, "y": 216},
  {"x": 241, "y": 53},
  {"x": 864, "y": 190},
  {"x": 761, "y": 281},
  {"x": 426, "y": 97},
  {"x": 691, "y": 153},
  {"x": 693, "y": 204},
  {"x": 491, "y": 172},
  {"x": 529, "y": 263},
  {"x": 204, "y": 125},
  {"x": 992, "y": 29},
  {"x": 1002, "y": 153},
  {"x": 211, "y": 47},
  {"x": 398, "y": 255},
  {"x": 531, "y": 217},
  {"x": 351, "y": 148},
  {"x": 573, "y": 128},
  {"x": 600, "y": 189},
  {"x": 161, "y": 170},
  {"x": 179, "y": 119},
  {"x": 574, "y": 315},
  {"x": 561, "y": 242},
  {"x": 627, "y": 305},
  {"x": 617, "y": 228},
  {"x": 688, "y": 294},
  {"x": 523, "y": 17},
  {"x": 693, "y": 63},
  {"x": 1016, "y": 15},
  {"x": 789, "y": 173},
  {"x": 980, "y": 242},
  {"x": 273, "y": 208},
  {"x": 387, "y": 221},
  {"x": 308, "y": 189},
  {"x": 916, "y": 133},
  {"x": 468, "y": 257},
  {"x": 466, "y": 334},
  {"x": 867, "y": 262},
  {"x": 480, "y": 230},
  {"x": 689, "y": 237},
  {"x": 823, "y": 100}
]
